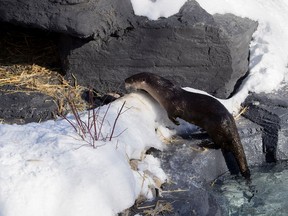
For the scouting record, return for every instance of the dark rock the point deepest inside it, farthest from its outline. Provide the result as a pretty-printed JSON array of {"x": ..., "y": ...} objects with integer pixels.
[
  {"x": 191, "y": 48},
  {"x": 271, "y": 112},
  {"x": 192, "y": 171},
  {"x": 237, "y": 33},
  {"x": 81, "y": 18},
  {"x": 25, "y": 107}
]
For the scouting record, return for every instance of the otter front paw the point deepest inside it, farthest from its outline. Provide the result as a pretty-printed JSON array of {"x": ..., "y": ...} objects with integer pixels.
[{"x": 174, "y": 120}]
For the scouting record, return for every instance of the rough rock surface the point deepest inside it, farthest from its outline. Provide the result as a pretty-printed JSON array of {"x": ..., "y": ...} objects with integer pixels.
[
  {"x": 21, "y": 107},
  {"x": 271, "y": 112},
  {"x": 237, "y": 33},
  {"x": 80, "y": 18},
  {"x": 192, "y": 171},
  {"x": 191, "y": 48}
]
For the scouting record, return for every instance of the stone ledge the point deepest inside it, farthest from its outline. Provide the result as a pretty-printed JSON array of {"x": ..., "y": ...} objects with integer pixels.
[
  {"x": 24, "y": 107},
  {"x": 271, "y": 112}
]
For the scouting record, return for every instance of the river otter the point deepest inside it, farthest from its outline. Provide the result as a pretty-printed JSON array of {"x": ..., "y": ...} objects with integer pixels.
[{"x": 201, "y": 110}]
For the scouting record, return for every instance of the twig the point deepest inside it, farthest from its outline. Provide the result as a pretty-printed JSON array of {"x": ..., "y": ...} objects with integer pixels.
[
  {"x": 74, "y": 126},
  {"x": 120, "y": 133},
  {"x": 102, "y": 122},
  {"x": 240, "y": 113},
  {"x": 77, "y": 117},
  {"x": 114, "y": 125},
  {"x": 90, "y": 131},
  {"x": 175, "y": 191}
]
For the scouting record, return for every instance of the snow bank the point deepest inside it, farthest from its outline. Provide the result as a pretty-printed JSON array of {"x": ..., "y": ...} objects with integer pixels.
[{"x": 47, "y": 170}]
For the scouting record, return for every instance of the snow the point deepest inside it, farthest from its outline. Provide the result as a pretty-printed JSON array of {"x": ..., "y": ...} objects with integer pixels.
[
  {"x": 46, "y": 169},
  {"x": 156, "y": 8}
]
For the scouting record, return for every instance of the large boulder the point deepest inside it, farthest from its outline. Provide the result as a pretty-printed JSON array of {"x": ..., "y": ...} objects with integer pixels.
[
  {"x": 108, "y": 42},
  {"x": 80, "y": 18},
  {"x": 191, "y": 48}
]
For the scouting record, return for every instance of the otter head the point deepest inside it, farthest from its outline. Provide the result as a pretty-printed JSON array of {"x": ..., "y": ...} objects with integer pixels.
[
  {"x": 145, "y": 80},
  {"x": 137, "y": 81},
  {"x": 161, "y": 89}
]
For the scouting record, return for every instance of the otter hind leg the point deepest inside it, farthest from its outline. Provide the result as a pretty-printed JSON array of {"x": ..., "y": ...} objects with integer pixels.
[
  {"x": 236, "y": 148},
  {"x": 239, "y": 154},
  {"x": 231, "y": 162}
]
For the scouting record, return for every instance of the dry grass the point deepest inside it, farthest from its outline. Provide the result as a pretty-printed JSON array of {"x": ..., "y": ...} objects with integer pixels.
[
  {"x": 242, "y": 111},
  {"x": 29, "y": 62},
  {"x": 160, "y": 208},
  {"x": 31, "y": 78}
]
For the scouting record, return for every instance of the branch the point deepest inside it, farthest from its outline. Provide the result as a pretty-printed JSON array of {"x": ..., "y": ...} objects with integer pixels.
[{"x": 114, "y": 125}]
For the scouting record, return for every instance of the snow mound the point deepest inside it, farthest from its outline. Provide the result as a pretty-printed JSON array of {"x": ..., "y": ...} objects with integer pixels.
[{"x": 46, "y": 169}]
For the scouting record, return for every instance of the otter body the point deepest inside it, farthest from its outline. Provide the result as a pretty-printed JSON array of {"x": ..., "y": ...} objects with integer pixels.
[{"x": 201, "y": 110}]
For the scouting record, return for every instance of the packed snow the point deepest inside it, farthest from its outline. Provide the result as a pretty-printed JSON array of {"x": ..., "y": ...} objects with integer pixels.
[{"x": 46, "y": 169}]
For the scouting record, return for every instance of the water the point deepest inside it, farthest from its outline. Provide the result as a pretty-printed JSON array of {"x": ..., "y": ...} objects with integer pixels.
[{"x": 267, "y": 195}]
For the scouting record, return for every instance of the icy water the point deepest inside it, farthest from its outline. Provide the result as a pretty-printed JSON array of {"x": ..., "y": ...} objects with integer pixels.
[{"x": 267, "y": 195}]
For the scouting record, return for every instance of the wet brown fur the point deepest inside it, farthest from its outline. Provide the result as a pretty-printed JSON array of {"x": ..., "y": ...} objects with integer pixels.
[{"x": 201, "y": 110}]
